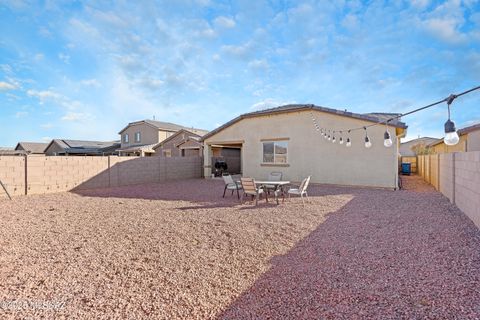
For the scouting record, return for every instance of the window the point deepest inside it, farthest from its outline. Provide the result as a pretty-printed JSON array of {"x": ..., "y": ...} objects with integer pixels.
[
  {"x": 275, "y": 152},
  {"x": 167, "y": 153},
  {"x": 183, "y": 152},
  {"x": 137, "y": 137},
  {"x": 125, "y": 138}
]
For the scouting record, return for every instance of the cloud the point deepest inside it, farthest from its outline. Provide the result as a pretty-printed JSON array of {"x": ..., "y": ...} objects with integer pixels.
[
  {"x": 46, "y": 126},
  {"x": 258, "y": 64},
  {"x": 64, "y": 57},
  {"x": 4, "y": 86},
  {"x": 91, "y": 83},
  {"x": 44, "y": 95},
  {"x": 224, "y": 22},
  {"x": 266, "y": 104},
  {"x": 445, "y": 29},
  {"x": 240, "y": 51},
  {"x": 76, "y": 116},
  {"x": 21, "y": 114}
]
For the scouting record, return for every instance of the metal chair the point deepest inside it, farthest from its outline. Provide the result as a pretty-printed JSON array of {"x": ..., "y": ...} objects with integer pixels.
[
  {"x": 231, "y": 185},
  {"x": 301, "y": 190}
]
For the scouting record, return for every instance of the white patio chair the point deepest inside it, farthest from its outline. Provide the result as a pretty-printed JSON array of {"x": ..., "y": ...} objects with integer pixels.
[
  {"x": 231, "y": 185},
  {"x": 273, "y": 176},
  {"x": 250, "y": 189},
  {"x": 301, "y": 190}
]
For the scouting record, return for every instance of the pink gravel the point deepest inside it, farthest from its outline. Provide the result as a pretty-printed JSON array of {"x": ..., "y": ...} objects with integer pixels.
[{"x": 177, "y": 250}]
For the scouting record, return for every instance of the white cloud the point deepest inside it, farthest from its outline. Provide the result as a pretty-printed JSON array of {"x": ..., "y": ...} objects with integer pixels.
[
  {"x": 21, "y": 114},
  {"x": 91, "y": 83},
  {"x": 258, "y": 64},
  {"x": 241, "y": 51},
  {"x": 224, "y": 22},
  {"x": 420, "y": 3},
  {"x": 267, "y": 104},
  {"x": 76, "y": 116},
  {"x": 46, "y": 126},
  {"x": 44, "y": 94},
  {"x": 4, "y": 86},
  {"x": 64, "y": 57},
  {"x": 445, "y": 29}
]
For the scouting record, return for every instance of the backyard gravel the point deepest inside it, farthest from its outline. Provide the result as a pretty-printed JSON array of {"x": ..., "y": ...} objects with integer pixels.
[{"x": 177, "y": 250}]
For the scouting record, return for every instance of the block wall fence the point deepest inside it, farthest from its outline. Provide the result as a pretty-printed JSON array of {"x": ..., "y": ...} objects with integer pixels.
[
  {"x": 24, "y": 175},
  {"x": 457, "y": 176}
]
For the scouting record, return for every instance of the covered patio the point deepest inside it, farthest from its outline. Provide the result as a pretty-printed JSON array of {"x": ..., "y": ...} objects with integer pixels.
[{"x": 179, "y": 250}]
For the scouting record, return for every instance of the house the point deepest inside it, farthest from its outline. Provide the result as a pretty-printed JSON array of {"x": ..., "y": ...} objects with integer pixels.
[
  {"x": 6, "y": 151},
  {"x": 469, "y": 141},
  {"x": 32, "y": 147},
  {"x": 285, "y": 139},
  {"x": 408, "y": 149},
  {"x": 61, "y": 147},
  {"x": 138, "y": 138},
  {"x": 182, "y": 143}
]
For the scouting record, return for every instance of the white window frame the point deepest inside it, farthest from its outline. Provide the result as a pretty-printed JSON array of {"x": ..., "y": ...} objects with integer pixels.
[
  {"x": 275, "y": 142},
  {"x": 139, "y": 135},
  {"x": 126, "y": 138}
]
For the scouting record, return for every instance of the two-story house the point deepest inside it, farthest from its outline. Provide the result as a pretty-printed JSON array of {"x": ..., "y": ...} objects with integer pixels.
[{"x": 140, "y": 137}]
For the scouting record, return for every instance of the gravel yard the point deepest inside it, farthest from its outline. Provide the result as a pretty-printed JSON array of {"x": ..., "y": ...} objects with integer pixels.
[{"x": 177, "y": 250}]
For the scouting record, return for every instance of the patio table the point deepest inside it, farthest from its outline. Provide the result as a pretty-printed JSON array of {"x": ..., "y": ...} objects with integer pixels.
[{"x": 279, "y": 187}]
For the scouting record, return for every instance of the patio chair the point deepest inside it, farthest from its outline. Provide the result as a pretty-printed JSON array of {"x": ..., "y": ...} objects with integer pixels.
[
  {"x": 301, "y": 190},
  {"x": 231, "y": 185},
  {"x": 273, "y": 176},
  {"x": 249, "y": 188}
]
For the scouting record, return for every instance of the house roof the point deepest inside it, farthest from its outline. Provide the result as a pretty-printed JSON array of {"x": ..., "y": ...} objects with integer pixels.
[
  {"x": 139, "y": 148},
  {"x": 406, "y": 147},
  {"x": 173, "y": 136},
  {"x": 372, "y": 117},
  {"x": 460, "y": 132},
  {"x": 167, "y": 126},
  {"x": 32, "y": 147},
  {"x": 84, "y": 146}
]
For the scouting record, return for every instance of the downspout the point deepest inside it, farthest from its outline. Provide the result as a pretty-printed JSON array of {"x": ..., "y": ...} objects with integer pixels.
[{"x": 398, "y": 137}]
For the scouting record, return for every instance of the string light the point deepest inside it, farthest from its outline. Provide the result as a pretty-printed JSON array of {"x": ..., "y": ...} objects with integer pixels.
[
  {"x": 387, "y": 141},
  {"x": 451, "y": 135},
  {"x": 368, "y": 144}
]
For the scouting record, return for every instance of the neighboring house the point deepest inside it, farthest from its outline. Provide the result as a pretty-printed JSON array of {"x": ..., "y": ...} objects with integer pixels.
[
  {"x": 32, "y": 147},
  {"x": 182, "y": 143},
  {"x": 407, "y": 149},
  {"x": 6, "y": 151},
  {"x": 469, "y": 141},
  {"x": 285, "y": 139},
  {"x": 61, "y": 147},
  {"x": 138, "y": 138}
]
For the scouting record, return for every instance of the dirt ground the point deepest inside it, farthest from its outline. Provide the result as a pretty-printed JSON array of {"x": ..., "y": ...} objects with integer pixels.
[{"x": 177, "y": 250}]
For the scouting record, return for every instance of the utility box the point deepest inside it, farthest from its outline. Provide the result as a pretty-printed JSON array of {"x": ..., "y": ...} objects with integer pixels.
[{"x": 406, "y": 168}]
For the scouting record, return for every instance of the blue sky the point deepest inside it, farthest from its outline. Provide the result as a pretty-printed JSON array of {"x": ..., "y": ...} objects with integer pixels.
[{"x": 83, "y": 70}]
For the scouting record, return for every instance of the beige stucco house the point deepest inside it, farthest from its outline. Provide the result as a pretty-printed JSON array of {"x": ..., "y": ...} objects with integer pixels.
[
  {"x": 182, "y": 143},
  {"x": 32, "y": 147},
  {"x": 63, "y": 147},
  {"x": 285, "y": 139},
  {"x": 469, "y": 141},
  {"x": 140, "y": 137},
  {"x": 407, "y": 149}
]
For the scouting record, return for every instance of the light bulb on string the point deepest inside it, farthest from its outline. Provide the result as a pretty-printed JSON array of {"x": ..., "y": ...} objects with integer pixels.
[
  {"x": 451, "y": 135},
  {"x": 349, "y": 142},
  {"x": 340, "y": 141},
  {"x": 368, "y": 143},
  {"x": 387, "y": 140},
  {"x": 333, "y": 137}
]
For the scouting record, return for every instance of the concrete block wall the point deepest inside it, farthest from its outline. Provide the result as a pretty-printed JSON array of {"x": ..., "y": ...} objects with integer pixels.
[
  {"x": 41, "y": 174},
  {"x": 12, "y": 175},
  {"x": 458, "y": 180}
]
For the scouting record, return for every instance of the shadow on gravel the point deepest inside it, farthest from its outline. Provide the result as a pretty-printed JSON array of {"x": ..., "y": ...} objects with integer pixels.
[{"x": 383, "y": 255}]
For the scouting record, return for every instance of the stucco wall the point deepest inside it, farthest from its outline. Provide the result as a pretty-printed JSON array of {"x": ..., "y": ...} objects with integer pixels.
[
  {"x": 473, "y": 143},
  {"x": 309, "y": 153},
  {"x": 41, "y": 174}
]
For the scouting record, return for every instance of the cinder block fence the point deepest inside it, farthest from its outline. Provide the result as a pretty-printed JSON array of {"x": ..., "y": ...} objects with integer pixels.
[
  {"x": 41, "y": 174},
  {"x": 457, "y": 176}
]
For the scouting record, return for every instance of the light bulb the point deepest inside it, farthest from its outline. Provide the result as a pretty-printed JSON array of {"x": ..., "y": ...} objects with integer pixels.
[
  {"x": 333, "y": 140},
  {"x": 451, "y": 135},
  {"x": 387, "y": 142},
  {"x": 368, "y": 144},
  {"x": 341, "y": 140},
  {"x": 329, "y": 138},
  {"x": 349, "y": 143},
  {"x": 451, "y": 138}
]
